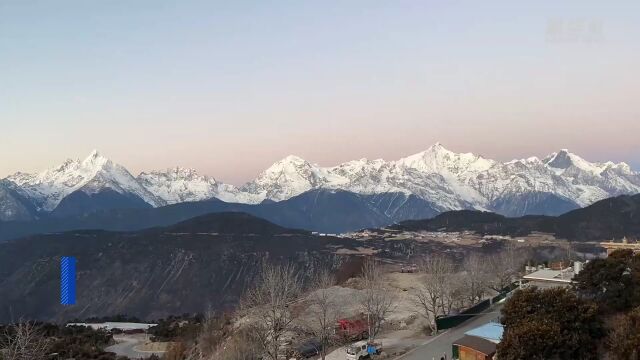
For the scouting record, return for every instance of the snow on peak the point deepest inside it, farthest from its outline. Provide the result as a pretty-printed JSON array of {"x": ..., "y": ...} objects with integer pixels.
[
  {"x": 565, "y": 161},
  {"x": 95, "y": 159},
  {"x": 289, "y": 160},
  {"x": 438, "y": 159},
  {"x": 91, "y": 175},
  {"x": 447, "y": 179},
  {"x": 288, "y": 177},
  {"x": 94, "y": 154},
  {"x": 177, "y": 172}
]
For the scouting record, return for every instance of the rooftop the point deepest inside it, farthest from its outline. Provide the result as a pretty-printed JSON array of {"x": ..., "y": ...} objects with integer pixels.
[
  {"x": 491, "y": 331},
  {"x": 564, "y": 276},
  {"x": 479, "y": 344}
]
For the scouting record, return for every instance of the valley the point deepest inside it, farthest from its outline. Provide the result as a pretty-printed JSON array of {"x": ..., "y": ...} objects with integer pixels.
[{"x": 208, "y": 261}]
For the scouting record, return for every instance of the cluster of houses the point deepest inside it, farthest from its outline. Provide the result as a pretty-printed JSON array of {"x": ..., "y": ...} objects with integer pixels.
[{"x": 481, "y": 343}]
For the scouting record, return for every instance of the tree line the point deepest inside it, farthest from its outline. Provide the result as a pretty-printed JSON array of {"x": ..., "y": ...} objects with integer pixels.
[
  {"x": 445, "y": 286},
  {"x": 597, "y": 318}
]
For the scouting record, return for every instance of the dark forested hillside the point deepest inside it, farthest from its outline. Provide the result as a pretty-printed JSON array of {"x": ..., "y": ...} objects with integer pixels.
[
  {"x": 204, "y": 262},
  {"x": 607, "y": 219}
]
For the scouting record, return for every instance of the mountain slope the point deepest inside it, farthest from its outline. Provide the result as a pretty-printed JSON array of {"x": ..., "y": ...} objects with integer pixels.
[
  {"x": 328, "y": 211},
  {"x": 451, "y": 181},
  {"x": 13, "y": 206},
  {"x": 286, "y": 178},
  {"x": 179, "y": 185},
  {"x": 94, "y": 174},
  {"x": 185, "y": 268},
  {"x": 80, "y": 203},
  {"x": 337, "y": 211},
  {"x": 607, "y": 219},
  {"x": 230, "y": 223}
]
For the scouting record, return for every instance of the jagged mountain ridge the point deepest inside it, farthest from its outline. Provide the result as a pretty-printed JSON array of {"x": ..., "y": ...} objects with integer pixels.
[
  {"x": 92, "y": 175},
  {"x": 560, "y": 182},
  {"x": 555, "y": 184},
  {"x": 178, "y": 185}
]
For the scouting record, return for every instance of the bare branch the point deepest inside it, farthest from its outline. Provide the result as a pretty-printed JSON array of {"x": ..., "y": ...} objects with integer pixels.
[
  {"x": 324, "y": 309},
  {"x": 376, "y": 302},
  {"x": 267, "y": 305},
  {"x": 435, "y": 295},
  {"x": 24, "y": 341}
]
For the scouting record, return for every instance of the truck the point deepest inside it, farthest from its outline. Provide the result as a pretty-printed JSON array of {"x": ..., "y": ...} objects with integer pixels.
[
  {"x": 352, "y": 329},
  {"x": 363, "y": 349}
]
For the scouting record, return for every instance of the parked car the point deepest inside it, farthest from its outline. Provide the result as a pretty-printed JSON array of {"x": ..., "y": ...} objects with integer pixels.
[{"x": 309, "y": 349}]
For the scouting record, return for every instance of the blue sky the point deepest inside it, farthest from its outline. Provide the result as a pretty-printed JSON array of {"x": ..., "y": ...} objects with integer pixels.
[{"x": 230, "y": 87}]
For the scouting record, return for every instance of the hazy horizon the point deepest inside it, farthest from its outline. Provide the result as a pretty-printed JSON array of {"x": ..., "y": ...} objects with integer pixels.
[
  {"x": 136, "y": 172},
  {"x": 230, "y": 88}
]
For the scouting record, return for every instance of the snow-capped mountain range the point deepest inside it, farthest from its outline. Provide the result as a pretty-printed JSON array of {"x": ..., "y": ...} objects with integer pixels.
[{"x": 557, "y": 183}]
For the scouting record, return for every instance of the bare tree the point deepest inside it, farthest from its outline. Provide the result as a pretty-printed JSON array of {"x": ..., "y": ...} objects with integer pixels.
[
  {"x": 267, "y": 305},
  {"x": 454, "y": 293},
  {"x": 435, "y": 294},
  {"x": 24, "y": 341},
  {"x": 503, "y": 268},
  {"x": 324, "y": 309},
  {"x": 376, "y": 301},
  {"x": 209, "y": 338},
  {"x": 239, "y": 347},
  {"x": 475, "y": 267}
]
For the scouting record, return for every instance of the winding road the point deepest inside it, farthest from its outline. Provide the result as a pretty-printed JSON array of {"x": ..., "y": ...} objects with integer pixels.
[
  {"x": 126, "y": 346},
  {"x": 440, "y": 345}
]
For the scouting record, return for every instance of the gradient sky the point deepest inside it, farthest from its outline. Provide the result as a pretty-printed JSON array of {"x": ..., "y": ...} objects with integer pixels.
[{"x": 229, "y": 87}]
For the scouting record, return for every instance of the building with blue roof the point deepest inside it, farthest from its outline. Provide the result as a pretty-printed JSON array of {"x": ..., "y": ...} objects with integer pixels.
[
  {"x": 491, "y": 331},
  {"x": 479, "y": 343}
]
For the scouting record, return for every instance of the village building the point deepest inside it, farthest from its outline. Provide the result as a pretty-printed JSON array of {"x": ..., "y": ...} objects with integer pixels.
[
  {"x": 544, "y": 278},
  {"x": 612, "y": 246},
  {"x": 479, "y": 343}
]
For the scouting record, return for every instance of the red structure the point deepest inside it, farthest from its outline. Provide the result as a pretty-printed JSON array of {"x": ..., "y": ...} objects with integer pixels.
[{"x": 351, "y": 330}]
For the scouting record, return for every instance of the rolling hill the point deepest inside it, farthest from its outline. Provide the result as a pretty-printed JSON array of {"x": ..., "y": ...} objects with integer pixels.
[
  {"x": 611, "y": 218},
  {"x": 187, "y": 267}
]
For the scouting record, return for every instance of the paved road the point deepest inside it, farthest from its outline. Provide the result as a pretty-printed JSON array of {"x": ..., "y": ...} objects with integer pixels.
[
  {"x": 125, "y": 346},
  {"x": 438, "y": 346}
]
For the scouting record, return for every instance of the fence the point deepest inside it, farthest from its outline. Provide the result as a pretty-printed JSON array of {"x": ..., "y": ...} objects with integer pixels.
[{"x": 449, "y": 321}]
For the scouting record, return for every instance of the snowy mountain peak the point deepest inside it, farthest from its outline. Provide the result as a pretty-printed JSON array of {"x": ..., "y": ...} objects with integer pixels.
[
  {"x": 94, "y": 154},
  {"x": 286, "y": 178},
  {"x": 623, "y": 166},
  {"x": 290, "y": 159},
  {"x": 291, "y": 165},
  {"x": 568, "y": 161},
  {"x": 186, "y": 173},
  {"x": 444, "y": 178},
  {"x": 438, "y": 147},
  {"x": 560, "y": 160},
  {"x": 438, "y": 159},
  {"x": 93, "y": 174},
  {"x": 177, "y": 174},
  {"x": 95, "y": 159}
]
